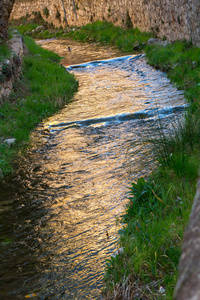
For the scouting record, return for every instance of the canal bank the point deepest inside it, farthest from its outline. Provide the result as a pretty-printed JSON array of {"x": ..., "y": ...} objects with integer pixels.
[{"x": 42, "y": 89}]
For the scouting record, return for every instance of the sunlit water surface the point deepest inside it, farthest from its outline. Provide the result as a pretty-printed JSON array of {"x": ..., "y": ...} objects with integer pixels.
[{"x": 58, "y": 231}]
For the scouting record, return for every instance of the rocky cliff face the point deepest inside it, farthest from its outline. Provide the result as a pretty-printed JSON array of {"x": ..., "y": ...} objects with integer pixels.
[
  {"x": 5, "y": 10},
  {"x": 11, "y": 68},
  {"x": 173, "y": 19}
]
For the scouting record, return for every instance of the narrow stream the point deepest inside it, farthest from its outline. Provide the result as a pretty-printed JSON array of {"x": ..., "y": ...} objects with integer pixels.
[{"x": 58, "y": 232}]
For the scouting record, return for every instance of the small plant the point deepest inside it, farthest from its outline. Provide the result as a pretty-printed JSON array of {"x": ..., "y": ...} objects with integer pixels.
[
  {"x": 46, "y": 12},
  {"x": 4, "y": 51},
  {"x": 128, "y": 23},
  {"x": 77, "y": 8},
  {"x": 27, "y": 15},
  {"x": 109, "y": 9},
  {"x": 58, "y": 15},
  {"x": 6, "y": 71},
  {"x": 38, "y": 17}
]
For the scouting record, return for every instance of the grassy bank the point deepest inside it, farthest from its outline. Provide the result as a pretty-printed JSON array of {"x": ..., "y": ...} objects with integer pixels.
[
  {"x": 159, "y": 206},
  {"x": 100, "y": 32},
  {"x": 43, "y": 88}
]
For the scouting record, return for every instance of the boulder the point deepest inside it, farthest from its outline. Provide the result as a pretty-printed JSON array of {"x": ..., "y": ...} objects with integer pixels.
[
  {"x": 10, "y": 142},
  {"x": 39, "y": 28},
  {"x": 153, "y": 41}
]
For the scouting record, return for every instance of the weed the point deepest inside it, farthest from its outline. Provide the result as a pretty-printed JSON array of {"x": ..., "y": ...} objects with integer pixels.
[
  {"x": 4, "y": 51},
  {"x": 27, "y": 15},
  {"x": 46, "y": 12},
  {"x": 128, "y": 22},
  {"x": 6, "y": 72},
  {"x": 58, "y": 15}
]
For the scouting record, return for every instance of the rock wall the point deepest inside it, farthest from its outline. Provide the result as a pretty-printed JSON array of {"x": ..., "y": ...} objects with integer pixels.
[
  {"x": 11, "y": 68},
  {"x": 173, "y": 19},
  {"x": 5, "y": 10},
  {"x": 188, "y": 284}
]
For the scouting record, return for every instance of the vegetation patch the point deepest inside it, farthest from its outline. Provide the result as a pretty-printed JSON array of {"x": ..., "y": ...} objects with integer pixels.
[
  {"x": 46, "y": 12},
  {"x": 99, "y": 32},
  {"x": 5, "y": 52},
  {"x": 43, "y": 89},
  {"x": 159, "y": 206},
  {"x": 107, "y": 33}
]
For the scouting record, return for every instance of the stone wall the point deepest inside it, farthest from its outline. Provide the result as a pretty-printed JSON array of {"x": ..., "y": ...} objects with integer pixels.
[
  {"x": 173, "y": 19},
  {"x": 11, "y": 68},
  {"x": 188, "y": 284}
]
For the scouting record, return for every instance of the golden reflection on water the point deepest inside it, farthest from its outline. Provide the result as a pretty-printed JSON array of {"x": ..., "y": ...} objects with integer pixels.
[
  {"x": 94, "y": 164},
  {"x": 80, "y": 52},
  {"x": 90, "y": 160}
]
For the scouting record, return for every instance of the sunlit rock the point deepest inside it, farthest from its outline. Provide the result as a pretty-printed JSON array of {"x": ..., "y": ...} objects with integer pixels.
[{"x": 10, "y": 142}]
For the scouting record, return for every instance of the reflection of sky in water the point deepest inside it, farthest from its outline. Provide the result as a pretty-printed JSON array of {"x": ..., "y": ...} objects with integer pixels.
[{"x": 61, "y": 224}]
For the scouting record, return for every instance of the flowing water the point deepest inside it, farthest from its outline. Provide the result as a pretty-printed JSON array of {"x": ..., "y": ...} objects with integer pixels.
[{"x": 58, "y": 231}]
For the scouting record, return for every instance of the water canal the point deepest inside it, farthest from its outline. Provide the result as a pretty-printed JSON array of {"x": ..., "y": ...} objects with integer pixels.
[{"x": 61, "y": 228}]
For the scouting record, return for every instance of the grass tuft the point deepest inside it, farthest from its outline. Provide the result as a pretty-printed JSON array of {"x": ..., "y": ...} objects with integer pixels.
[{"x": 4, "y": 51}]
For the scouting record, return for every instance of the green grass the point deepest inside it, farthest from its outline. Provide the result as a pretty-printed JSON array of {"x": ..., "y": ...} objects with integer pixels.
[
  {"x": 27, "y": 27},
  {"x": 4, "y": 51},
  {"x": 101, "y": 32},
  {"x": 105, "y": 32},
  {"x": 151, "y": 236},
  {"x": 159, "y": 206},
  {"x": 44, "y": 88}
]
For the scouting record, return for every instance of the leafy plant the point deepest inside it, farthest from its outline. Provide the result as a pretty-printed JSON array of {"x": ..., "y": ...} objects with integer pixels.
[
  {"x": 58, "y": 15},
  {"x": 46, "y": 12},
  {"x": 128, "y": 21},
  {"x": 4, "y": 51}
]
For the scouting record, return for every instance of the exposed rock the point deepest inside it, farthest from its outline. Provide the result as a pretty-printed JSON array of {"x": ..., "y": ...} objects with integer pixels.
[
  {"x": 39, "y": 28},
  {"x": 12, "y": 65},
  {"x": 10, "y": 142},
  {"x": 117, "y": 252},
  {"x": 160, "y": 42},
  {"x": 15, "y": 44},
  {"x": 136, "y": 47},
  {"x": 174, "y": 19},
  {"x": 5, "y": 10}
]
